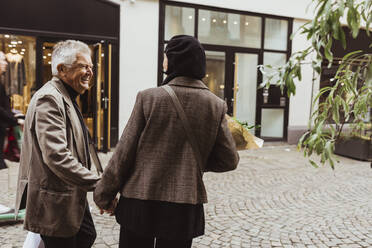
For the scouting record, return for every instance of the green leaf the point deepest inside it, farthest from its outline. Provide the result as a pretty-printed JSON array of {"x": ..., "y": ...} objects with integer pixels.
[
  {"x": 355, "y": 24},
  {"x": 347, "y": 56},
  {"x": 313, "y": 163},
  {"x": 336, "y": 113},
  {"x": 341, "y": 8},
  {"x": 327, "y": 50},
  {"x": 342, "y": 37}
]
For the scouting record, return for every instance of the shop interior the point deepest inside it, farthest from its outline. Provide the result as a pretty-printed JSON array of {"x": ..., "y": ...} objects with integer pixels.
[{"x": 20, "y": 80}]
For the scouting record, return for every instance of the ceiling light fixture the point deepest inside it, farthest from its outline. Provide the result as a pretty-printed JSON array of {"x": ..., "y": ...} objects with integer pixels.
[
  {"x": 224, "y": 21},
  {"x": 203, "y": 19},
  {"x": 7, "y": 36},
  {"x": 214, "y": 20}
]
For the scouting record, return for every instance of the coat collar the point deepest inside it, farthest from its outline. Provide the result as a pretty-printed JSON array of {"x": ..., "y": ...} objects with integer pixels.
[
  {"x": 188, "y": 82},
  {"x": 58, "y": 84}
]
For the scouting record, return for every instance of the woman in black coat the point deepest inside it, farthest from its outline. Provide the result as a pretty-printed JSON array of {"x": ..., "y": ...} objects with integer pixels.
[{"x": 6, "y": 116}]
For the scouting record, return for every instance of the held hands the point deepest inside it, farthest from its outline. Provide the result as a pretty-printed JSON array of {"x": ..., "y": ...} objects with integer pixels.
[{"x": 111, "y": 209}]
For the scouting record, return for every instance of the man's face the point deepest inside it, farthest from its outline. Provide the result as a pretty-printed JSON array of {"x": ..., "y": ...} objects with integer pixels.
[
  {"x": 79, "y": 74},
  {"x": 3, "y": 63}
]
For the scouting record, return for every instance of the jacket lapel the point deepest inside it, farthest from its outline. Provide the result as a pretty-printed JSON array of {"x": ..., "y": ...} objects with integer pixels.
[{"x": 72, "y": 116}]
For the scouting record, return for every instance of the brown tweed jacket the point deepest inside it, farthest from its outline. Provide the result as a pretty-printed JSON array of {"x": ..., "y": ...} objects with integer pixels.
[
  {"x": 154, "y": 160},
  {"x": 54, "y": 164}
]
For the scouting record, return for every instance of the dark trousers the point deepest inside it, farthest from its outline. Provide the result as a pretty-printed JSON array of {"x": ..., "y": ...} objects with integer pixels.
[
  {"x": 2, "y": 137},
  {"x": 129, "y": 239},
  {"x": 84, "y": 238}
]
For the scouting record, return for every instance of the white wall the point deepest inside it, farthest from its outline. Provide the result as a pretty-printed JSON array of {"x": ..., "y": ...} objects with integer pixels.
[
  {"x": 289, "y": 8},
  {"x": 138, "y": 52},
  {"x": 300, "y": 104}
]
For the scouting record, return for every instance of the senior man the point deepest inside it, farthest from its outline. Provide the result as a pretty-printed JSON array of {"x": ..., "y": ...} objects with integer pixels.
[{"x": 55, "y": 160}]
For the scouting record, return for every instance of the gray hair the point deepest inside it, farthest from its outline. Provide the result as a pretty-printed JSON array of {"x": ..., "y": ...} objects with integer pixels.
[{"x": 64, "y": 52}]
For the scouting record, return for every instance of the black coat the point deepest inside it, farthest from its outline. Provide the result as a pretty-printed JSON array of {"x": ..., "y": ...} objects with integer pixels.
[{"x": 6, "y": 116}]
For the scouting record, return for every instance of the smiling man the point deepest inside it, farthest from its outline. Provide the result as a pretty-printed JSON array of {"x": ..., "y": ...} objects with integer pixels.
[{"x": 55, "y": 160}]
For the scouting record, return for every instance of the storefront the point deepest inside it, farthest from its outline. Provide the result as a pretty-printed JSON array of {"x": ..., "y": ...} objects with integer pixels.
[
  {"x": 28, "y": 32},
  {"x": 236, "y": 42}
]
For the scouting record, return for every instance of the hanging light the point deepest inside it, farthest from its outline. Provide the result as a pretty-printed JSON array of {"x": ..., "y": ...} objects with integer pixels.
[{"x": 7, "y": 36}]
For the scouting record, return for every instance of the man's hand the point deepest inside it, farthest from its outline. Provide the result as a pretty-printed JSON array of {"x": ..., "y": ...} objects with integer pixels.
[{"x": 111, "y": 209}]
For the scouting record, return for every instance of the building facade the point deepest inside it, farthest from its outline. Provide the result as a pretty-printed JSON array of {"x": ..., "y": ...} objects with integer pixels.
[
  {"x": 128, "y": 37},
  {"x": 238, "y": 35}
]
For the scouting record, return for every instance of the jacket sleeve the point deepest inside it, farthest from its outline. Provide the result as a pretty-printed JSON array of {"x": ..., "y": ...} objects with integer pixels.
[
  {"x": 50, "y": 129},
  {"x": 7, "y": 117},
  {"x": 6, "y": 114},
  {"x": 123, "y": 159},
  {"x": 224, "y": 156}
]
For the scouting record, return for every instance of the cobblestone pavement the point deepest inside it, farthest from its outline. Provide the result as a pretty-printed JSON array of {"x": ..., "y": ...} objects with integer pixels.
[{"x": 274, "y": 199}]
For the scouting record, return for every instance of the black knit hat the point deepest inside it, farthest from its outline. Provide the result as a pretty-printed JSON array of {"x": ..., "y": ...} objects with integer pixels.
[{"x": 186, "y": 57}]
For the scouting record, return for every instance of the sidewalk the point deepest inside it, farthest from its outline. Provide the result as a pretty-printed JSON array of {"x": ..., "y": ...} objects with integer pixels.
[{"x": 274, "y": 199}]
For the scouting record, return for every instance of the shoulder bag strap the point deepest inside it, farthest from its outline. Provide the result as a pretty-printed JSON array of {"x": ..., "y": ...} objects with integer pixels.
[{"x": 186, "y": 126}]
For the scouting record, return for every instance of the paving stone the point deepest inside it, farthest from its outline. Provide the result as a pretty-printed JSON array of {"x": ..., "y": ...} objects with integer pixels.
[{"x": 273, "y": 199}]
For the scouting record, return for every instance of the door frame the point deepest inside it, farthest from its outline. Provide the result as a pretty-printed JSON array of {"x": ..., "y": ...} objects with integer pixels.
[{"x": 106, "y": 93}]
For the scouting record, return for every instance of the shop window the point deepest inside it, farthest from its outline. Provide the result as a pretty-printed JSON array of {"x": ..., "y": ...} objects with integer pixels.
[
  {"x": 276, "y": 32},
  {"x": 179, "y": 20},
  {"x": 362, "y": 42},
  {"x": 215, "y": 73},
  {"x": 275, "y": 60},
  {"x": 229, "y": 29},
  {"x": 19, "y": 79}
]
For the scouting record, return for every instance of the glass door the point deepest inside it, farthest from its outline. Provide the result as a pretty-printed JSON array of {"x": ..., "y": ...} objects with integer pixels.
[
  {"x": 95, "y": 103},
  {"x": 102, "y": 89},
  {"x": 245, "y": 88}
]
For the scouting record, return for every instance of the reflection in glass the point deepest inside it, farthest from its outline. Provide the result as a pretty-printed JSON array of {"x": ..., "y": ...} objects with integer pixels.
[
  {"x": 276, "y": 32},
  {"x": 275, "y": 60},
  {"x": 19, "y": 79},
  {"x": 245, "y": 89},
  {"x": 215, "y": 72},
  {"x": 272, "y": 123},
  {"x": 229, "y": 29},
  {"x": 179, "y": 20}
]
